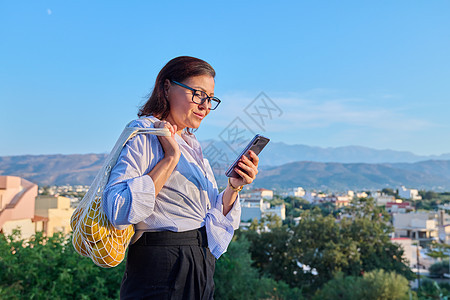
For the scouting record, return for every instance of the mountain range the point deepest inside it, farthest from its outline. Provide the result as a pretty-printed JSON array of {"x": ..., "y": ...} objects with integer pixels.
[
  {"x": 278, "y": 153},
  {"x": 281, "y": 166},
  {"x": 426, "y": 175}
]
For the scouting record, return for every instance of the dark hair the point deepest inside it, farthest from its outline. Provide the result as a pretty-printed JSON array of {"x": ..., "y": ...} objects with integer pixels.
[{"x": 177, "y": 69}]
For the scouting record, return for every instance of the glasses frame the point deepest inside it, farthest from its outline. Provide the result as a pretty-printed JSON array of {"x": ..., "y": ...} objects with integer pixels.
[{"x": 194, "y": 92}]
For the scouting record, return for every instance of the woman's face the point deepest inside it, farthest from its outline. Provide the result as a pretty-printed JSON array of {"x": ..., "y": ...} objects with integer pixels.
[{"x": 183, "y": 111}]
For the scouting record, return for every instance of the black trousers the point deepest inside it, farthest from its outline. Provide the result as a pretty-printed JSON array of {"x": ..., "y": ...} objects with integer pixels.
[{"x": 169, "y": 265}]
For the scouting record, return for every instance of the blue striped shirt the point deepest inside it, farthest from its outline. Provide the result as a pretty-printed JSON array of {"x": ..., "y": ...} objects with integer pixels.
[{"x": 188, "y": 200}]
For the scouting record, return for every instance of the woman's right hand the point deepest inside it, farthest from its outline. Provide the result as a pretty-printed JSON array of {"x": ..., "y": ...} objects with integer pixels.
[
  {"x": 169, "y": 144},
  {"x": 164, "y": 168}
]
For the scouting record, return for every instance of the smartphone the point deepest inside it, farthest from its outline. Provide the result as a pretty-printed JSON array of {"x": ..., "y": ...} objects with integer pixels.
[{"x": 256, "y": 145}]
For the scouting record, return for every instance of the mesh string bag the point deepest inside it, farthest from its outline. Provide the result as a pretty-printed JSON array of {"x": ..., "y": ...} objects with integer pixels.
[{"x": 93, "y": 234}]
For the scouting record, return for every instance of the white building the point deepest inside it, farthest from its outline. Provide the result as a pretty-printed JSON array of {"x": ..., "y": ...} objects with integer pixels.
[
  {"x": 443, "y": 227},
  {"x": 313, "y": 197},
  {"x": 261, "y": 193},
  {"x": 412, "y": 194},
  {"x": 338, "y": 200},
  {"x": 410, "y": 252},
  {"x": 279, "y": 210},
  {"x": 361, "y": 195},
  {"x": 296, "y": 192},
  {"x": 381, "y": 198},
  {"x": 253, "y": 205},
  {"x": 398, "y": 207},
  {"x": 422, "y": 226},
  {"x": 310, "y": 196}
]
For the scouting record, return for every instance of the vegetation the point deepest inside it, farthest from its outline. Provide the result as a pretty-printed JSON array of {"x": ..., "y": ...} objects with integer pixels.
[
  {"x": 439, "y": 269},
  {"x": 432, "y": 290},
  {"x": 317, "y": 253},
  {"x": 431, "y": 200},
  {"x": 375, "y": 285},
  {"x": 390, "y": 192},
  {"x": 235, "y": 278},
  {"x": 438, "y": 250},
  {"x": 310, "y": 253},
  {"x": 49, "y": 268},
  {"x": 294, "y": 206}
]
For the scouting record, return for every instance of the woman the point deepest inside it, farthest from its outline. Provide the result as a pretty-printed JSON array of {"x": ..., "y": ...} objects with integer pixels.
[{"x": 167, "y": 189}]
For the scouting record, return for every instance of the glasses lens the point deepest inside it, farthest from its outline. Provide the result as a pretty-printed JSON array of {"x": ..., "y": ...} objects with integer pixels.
[
  {"x": 214, "y": 102},
  {"x": 199, "y": 97}
]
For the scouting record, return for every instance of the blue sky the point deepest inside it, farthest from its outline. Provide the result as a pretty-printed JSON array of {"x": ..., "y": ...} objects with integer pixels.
[{"x": 368, "y": 73}]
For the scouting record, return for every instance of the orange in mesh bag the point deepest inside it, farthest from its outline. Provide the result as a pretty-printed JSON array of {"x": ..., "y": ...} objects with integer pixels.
[{"x": 93, "y": 235}]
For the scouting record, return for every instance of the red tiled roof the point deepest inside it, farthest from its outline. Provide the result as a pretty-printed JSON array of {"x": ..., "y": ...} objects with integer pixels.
[{"x": 39, "y": 218}]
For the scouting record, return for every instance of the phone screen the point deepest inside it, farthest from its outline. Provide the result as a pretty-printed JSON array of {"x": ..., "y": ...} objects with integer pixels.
[{"x": 257, "y": 144}]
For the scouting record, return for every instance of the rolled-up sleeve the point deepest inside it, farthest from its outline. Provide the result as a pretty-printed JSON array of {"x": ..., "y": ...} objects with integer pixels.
[
  {"x": 129, "y": 196},
  {"x": 219, "y": 227},
  {"x": 234, "y": 215}
]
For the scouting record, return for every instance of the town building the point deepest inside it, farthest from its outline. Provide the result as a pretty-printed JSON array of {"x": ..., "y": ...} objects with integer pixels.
[
  {"x": 381, "y": 198},
  {"x": 411, "y": 194},
  {"x": 251, "y": 208},
  {"x": 254, "y": 205},
  {"x": 314, "y": 197},
  {"x": 294, "y": 192},
  {"x": 17, "y": 200},
  {"x": 443, "y": 227},
  {"x": 399, "y": 207},
  {"x": 338, "y": 200},
  {"x": 278, "y": 210},
  {"x": 421, "y": 226},
  {"x": 56, "y": 211},
  {"x": 261, "y": 193},
  {"x": 416, "y": 256},
  {"x": 361, "y": 195},
  {"x": 409, "y": 250},
  {"x": 21, "y": 208}
]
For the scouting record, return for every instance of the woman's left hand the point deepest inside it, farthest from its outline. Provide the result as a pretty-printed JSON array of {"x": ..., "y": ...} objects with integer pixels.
[{"x": 247, "y": 169}]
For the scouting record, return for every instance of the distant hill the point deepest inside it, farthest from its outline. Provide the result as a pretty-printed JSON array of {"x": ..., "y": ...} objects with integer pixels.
[
  {"x": 428, "y": 175},
  {"x": 276, "y": 154},
  {"x": 81, "y": 169},
  {"x": 53, "y": 169}
]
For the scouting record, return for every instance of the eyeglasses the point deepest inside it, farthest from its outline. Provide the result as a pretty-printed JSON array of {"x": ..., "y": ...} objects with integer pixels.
[{"x": 199, "y": 97}]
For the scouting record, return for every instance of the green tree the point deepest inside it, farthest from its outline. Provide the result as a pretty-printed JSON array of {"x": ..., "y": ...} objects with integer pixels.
[
  {"x": 430, "y": 289},
  {"x": 390, "y": 192},
  {"x": 375, "y": 285},
  {"x": 439, "y": 269},
  {"x": 341, "y": 287},
  {"x": 267, "y": 222},
  {"x": 235, "y": 278},
  {"x": 438, "y": 250},
  {"x": 431, "y": 200},
  {"x": 428, "y": 195},
  {"x": 368, "y": 226},
  {"x": 49, "y": 268},
  {"x": 309, "y": 254},
  {"x": 271, "y": 252}
]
